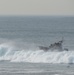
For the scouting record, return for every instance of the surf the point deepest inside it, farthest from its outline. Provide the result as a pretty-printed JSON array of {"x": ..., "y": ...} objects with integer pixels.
[{"x": 8, "y": 53}]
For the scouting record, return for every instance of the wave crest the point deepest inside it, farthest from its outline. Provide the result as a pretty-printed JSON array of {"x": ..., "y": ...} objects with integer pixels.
[{"x": 35, "y": 56}]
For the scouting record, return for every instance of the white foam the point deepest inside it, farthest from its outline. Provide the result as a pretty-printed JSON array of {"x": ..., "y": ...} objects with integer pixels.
[{"x": 35, "y": 56}]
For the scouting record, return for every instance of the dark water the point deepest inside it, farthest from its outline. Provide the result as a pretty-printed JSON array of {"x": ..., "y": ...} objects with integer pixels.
[{"x": 38, "y": 30}]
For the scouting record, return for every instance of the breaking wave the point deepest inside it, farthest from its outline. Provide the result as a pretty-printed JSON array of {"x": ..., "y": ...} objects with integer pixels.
[{"x": 11, "y": 54}]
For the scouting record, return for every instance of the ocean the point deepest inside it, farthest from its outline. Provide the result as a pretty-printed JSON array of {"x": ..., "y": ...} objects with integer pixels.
[{"x": 20, "y": 38}]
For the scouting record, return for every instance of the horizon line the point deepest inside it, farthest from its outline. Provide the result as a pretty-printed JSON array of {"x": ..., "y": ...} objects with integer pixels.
[{"x": 39, "y": 15}]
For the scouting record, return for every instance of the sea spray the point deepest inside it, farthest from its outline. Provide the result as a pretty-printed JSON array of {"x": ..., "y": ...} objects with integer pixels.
[
  {"x": 44, "y": 57},
  {"x": 35, "y": 56}
]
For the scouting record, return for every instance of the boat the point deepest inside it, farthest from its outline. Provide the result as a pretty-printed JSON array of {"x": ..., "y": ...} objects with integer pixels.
[{"x": 54, "y": 46}]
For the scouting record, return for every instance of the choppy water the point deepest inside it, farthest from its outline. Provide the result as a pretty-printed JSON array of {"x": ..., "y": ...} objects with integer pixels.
[
  {"x": 7, "y": 68},
  {"x": 19, "y": 40}
]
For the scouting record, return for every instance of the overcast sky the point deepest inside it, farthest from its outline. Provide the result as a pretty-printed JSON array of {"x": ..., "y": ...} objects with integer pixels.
[{"x": 36, "y": 7}]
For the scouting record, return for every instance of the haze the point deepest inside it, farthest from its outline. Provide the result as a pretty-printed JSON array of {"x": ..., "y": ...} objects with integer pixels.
[{"x": 36, "y": 7}]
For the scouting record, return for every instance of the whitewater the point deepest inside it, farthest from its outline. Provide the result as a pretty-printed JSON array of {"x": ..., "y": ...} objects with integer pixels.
[{"x": 34, "y": 55}]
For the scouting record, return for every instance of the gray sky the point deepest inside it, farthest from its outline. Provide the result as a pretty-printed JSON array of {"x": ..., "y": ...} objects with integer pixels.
[{"x": 36, "y": 7}]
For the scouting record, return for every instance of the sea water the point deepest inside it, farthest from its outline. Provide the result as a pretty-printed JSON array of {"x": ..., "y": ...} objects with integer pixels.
[{"x": 20, "y": 38}]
